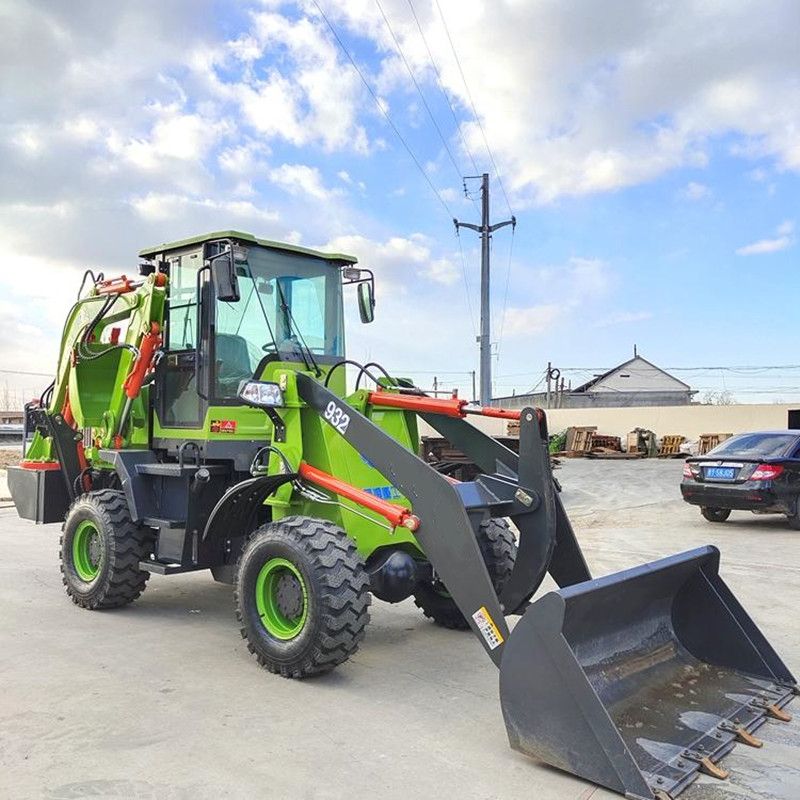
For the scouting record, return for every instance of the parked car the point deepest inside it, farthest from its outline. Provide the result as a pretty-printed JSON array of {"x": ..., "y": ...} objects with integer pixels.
[{"x": 757, "y": 472}]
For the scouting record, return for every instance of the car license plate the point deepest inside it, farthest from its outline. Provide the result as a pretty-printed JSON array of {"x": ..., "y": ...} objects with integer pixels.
[{"x": 720, "y": 473}]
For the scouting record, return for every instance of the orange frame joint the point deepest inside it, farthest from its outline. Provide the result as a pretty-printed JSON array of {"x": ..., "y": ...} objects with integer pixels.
[{"x": 397, "y": 515}]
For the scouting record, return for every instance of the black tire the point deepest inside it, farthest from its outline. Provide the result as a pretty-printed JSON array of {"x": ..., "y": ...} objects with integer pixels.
[
  {"x": 715, "y": 514},
  {"x": 499, "y": 550},
  {"x": 334, "y": 606},
  {"x": 118, "y": 543},
  {"x": 794, "y": 519}
]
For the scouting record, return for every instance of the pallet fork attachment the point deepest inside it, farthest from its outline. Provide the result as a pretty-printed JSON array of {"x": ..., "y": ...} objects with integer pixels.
[{"x": 637, "y": 681}]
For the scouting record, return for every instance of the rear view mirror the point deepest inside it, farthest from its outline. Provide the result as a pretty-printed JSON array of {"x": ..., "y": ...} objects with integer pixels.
[
  {"x": 366, "y": 301},
  {"x": 223, "y": 276}
]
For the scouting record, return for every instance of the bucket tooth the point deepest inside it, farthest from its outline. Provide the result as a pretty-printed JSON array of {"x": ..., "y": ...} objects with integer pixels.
[
  {"x": 742, "y": 734},
  {"x": 778, "y": 713},
  {"x": 707, "y": 766}
]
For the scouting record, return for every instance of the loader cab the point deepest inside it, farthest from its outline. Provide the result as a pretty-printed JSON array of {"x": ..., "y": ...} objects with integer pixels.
[{"x": 237, "y": 303}]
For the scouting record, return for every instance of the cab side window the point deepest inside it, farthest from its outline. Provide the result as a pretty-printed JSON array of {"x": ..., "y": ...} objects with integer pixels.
[{"x": 183, "y": 304}]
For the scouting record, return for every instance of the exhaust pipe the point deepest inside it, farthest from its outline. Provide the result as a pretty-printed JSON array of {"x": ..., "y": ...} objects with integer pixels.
[{"x": 642, "y": 679}]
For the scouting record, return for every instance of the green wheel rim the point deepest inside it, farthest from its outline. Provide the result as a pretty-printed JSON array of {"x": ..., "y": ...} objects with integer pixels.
[
  {"x": 276, "y": 576},
  {"x": 86, "y": 551}
]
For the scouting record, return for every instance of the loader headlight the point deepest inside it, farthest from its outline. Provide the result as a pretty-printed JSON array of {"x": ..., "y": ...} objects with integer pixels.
[{"x": 263, "y": 394}]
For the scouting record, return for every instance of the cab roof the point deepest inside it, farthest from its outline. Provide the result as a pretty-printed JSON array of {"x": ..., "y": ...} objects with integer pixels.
[{"x": 339, "y": 258}]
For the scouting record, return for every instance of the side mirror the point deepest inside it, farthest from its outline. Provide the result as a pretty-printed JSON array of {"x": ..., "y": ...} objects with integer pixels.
[
  {"x": 223, "y": 276},
  {"x": 366, "y": 301}
]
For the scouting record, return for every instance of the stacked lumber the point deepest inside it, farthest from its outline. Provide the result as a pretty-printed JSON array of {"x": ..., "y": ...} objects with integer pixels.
[
  {"x": 671, "y": 446},
  {"x": 708, "y": 441}
]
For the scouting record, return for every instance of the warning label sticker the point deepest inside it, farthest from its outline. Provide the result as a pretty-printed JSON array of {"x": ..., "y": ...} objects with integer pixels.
[
  {"x": 488, "y": 629},
  {"x": 223, "y": 426}
]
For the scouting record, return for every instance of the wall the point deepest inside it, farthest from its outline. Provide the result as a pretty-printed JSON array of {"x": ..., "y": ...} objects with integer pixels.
[
  {"x": 688, "y": 421},
  {"x": 596, "y": 400}
]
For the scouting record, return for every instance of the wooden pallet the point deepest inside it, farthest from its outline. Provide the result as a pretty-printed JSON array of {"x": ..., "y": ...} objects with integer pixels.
[
  {"x": 579, "y": 439},
  {"x": 670, "y": 446},
  {"x": 606, "y": 442},
  {"x": 708, "y": 441}
]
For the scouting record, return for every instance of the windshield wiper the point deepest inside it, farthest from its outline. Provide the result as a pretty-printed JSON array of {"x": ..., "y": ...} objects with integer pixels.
[{"x": 293, "y": 327}]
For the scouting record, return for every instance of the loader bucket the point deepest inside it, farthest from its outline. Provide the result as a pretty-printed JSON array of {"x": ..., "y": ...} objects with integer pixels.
[{"x": 639, "y": 680}]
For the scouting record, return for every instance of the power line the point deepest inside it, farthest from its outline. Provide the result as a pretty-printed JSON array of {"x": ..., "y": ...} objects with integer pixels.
[
  {"x": 601, "y": 370},
  {"x": 440, "y": 84},
  {"x": 458, "y": 170},
  {"x": 382, "y": 109},
  {"x": 505, "y": 293},
  {"x": 474, "y": 109},
  {"x": 466, "y": 284}
]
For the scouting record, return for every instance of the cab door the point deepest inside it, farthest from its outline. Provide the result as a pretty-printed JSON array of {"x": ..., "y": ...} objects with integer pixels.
[{"x": 178, "y": 402}]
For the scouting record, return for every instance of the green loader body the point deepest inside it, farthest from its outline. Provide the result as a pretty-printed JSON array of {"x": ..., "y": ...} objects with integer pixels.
[{"x": 200, "y": 420}]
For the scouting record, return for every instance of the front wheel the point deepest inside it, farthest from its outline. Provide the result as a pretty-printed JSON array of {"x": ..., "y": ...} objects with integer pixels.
[
  {"x": 715, "y": 514},
  {"x": 499, "y": 551},
  {"x": 301, "y": 595}
]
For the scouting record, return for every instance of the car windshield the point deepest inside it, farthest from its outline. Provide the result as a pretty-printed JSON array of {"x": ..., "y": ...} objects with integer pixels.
[{"x": 756, "y": 445}]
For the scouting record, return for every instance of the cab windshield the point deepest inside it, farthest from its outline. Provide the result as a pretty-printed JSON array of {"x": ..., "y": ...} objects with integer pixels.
[{"x": 289, "y": 304}]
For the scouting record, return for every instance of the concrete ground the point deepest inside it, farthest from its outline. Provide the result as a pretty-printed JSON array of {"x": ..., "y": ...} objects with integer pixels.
[{"x": 161, "y": 700}]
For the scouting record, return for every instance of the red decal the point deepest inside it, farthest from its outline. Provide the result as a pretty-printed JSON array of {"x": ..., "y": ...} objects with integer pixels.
[{"x": 223, "y": 426}]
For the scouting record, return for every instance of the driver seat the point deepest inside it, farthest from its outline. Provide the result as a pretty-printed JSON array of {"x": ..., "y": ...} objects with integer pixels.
[{"x": 233, "y": 363}]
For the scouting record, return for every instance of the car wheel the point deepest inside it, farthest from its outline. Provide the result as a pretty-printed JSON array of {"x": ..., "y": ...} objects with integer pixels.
[
  {"x": 715, "y": 514},
  {"x": 794, "y": 519}
]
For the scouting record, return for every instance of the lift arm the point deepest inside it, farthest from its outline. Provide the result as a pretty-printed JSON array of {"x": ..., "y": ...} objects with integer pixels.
[{"x": 444, "y": 532}]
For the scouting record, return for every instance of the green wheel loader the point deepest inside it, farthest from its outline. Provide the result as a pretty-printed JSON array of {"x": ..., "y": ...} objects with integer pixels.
[{"x": 199, "y": 420}]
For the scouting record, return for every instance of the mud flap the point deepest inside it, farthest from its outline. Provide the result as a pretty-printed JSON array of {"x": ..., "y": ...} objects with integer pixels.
[{"x": 639, "y": 680}]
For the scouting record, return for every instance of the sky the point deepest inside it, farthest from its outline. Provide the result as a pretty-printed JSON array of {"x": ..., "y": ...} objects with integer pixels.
[{"x": 650, "y": 152}]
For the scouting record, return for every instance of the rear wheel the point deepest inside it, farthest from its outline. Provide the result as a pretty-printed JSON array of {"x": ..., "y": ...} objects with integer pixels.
[
  {"x": 302, "y": 596},
  {"x": 715, "y": 514},
  {"x": 794, "y": 519},
  {"x": 499, "y": 551},
  {"x": 101, "y": 549}
]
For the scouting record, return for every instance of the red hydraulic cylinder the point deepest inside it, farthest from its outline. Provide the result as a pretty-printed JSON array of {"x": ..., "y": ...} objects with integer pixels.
[
  {"x": 491, "y": 411},
  {"x": 448, "y": 407},
  {"x": 395, "y": 514},
  {"x": 119, "y": 285},
  {"x": 150, "y": 343}
]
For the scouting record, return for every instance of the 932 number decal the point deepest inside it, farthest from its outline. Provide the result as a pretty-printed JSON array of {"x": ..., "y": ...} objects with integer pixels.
[{"x": 338, "y": 418}]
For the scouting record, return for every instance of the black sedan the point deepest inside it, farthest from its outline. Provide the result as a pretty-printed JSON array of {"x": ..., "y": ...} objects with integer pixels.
[{"x": 757, "y": 472}]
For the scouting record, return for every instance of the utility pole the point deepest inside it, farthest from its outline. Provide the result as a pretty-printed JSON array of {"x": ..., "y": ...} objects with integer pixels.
[{"x": 485, "y": 230}]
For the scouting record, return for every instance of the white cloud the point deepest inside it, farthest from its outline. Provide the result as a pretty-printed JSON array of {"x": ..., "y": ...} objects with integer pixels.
[
  {"x": 298, "y": 179},
  {"x": 623, "y": 318},
  {"x": 536, "y": 319},
  {"x": 782, "y": 241},
  {"x": 763, "y": 246},
  {"x": 397, "y": 259},
  {"x": 579, "y": 283},
  {"x": 587, "y": 97},
  {"x": 158, "y": 207},
  {"x": 306, "y": 95},
  {"x": 696, "y": 191}
]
